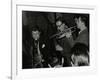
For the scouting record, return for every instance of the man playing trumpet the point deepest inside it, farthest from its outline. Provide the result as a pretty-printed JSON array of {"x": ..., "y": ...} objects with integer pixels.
[
  {"x": 63, "y": 43},
  {"x": 66, "y": 40}
]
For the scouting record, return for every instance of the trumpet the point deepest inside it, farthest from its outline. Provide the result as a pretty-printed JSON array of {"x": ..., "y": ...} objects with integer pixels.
[{"x": 65, "y": 31}]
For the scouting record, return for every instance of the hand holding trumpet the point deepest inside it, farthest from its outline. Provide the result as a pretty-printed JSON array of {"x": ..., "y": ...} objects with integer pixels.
[{"x": 65, "y": 33}]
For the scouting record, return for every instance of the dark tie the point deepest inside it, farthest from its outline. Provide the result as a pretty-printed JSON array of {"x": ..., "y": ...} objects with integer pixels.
[{"x": 37, "y": 55}]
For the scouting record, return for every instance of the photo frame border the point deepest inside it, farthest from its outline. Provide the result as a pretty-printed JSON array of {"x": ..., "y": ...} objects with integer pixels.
[{"x": 14, "y": 61}]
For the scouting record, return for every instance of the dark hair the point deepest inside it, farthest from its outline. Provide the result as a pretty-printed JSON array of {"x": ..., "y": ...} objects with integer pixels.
[
  {"x": 80, "y": 49},
  {"x": 35, "y": 28},
  {"x": 84, "y": 18}
]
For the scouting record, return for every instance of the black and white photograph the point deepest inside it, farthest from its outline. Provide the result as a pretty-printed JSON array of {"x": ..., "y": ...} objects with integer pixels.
[
  {"x": 55, "y": 39},
  {"x": 52, "y": 41}
]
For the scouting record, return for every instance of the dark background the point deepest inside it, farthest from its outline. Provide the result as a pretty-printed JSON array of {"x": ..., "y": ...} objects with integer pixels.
[{"x": 46, "y": 22}]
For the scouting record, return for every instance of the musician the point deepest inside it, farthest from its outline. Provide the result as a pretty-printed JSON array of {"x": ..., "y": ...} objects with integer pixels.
[
  {"x": 82, "y": 23},
  {"x": 39, "y": 49},
  {"x": 63, "y": 43}
]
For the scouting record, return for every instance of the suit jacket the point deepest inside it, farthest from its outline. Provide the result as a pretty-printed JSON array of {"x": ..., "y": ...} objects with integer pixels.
[
  {"x": 67, "y": 43},
  {"x": 45, "y": 49},
  {"x": 83, "y": 37}
]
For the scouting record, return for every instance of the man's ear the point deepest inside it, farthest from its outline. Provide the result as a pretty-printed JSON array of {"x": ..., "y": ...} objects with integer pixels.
[{"x": 72, "y": 57}]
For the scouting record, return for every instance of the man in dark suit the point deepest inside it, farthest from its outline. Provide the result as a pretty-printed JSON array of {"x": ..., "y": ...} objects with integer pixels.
[
  {"x": 63, "y": 43},
  {"x": 82, "y": 23},
  {"x": 40, "y": 49}
]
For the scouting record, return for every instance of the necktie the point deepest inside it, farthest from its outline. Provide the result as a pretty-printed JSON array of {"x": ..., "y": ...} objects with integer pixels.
[{"x": 37, "y": 54}]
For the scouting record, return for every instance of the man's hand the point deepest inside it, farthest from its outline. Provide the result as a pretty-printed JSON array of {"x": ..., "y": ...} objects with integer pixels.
[
  {"x": 68, "y": 34},
  {"x": 59, "y": 48}
]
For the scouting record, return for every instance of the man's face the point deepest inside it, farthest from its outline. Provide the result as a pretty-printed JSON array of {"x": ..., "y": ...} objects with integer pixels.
[
  {"x": 35, "y": 35},
  {"x": 60, "y": 26},
  {"x": 78, "y": 22}
]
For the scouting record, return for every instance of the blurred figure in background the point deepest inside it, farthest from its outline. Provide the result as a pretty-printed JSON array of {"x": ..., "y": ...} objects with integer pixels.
[{"x": 80, "y": 55}]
